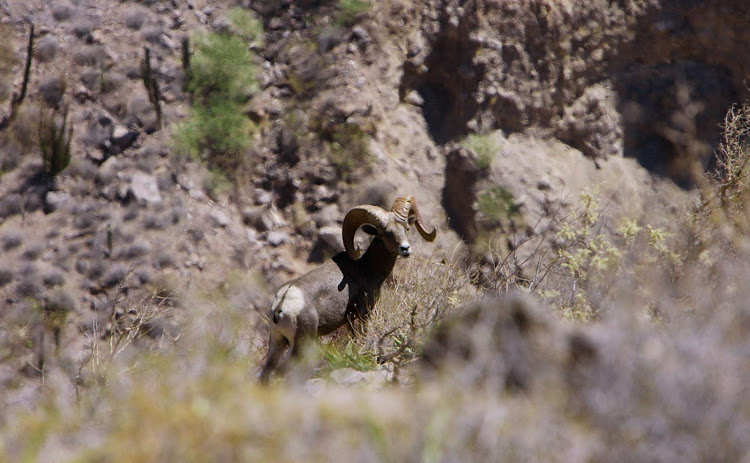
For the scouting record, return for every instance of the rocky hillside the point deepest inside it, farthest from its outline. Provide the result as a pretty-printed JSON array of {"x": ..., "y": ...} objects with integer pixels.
[{"x": 215, "y": 146}]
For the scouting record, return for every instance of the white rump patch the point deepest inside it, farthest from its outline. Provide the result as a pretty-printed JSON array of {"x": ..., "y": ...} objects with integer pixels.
[
  {"x": 287, "y": 304},
  {"x": 292, "y": 301}
]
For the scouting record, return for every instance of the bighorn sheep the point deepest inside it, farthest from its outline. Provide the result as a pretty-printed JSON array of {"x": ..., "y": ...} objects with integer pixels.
[{"x": 348, "y": 284}]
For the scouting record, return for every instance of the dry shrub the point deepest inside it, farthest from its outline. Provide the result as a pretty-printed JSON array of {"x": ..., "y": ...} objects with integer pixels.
[{"x": 418, "y": 295}]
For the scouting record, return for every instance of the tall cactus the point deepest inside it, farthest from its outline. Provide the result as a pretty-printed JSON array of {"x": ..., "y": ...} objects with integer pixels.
[
  {"x": 54, "y": 142},
  {"x": 152, "y": 87}
]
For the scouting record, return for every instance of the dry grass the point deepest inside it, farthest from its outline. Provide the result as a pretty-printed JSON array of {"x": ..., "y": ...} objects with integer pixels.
[{"x": 419, "y": 294}]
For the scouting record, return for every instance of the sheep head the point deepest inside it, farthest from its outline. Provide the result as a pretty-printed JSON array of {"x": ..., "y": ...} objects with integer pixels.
[{"x": 391, "y": 227}]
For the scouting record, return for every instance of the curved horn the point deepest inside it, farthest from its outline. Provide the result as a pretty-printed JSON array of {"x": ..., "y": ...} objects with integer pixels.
[
  {"x": 405, "y": 208},
  {"x": 357, "y": 217}
]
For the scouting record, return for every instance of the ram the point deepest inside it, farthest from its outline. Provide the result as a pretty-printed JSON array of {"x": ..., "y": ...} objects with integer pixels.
[{"x": 347, "y": 285}]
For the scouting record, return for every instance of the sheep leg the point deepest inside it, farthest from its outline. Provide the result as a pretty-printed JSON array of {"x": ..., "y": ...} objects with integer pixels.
[{"x": 276, "y": 346}]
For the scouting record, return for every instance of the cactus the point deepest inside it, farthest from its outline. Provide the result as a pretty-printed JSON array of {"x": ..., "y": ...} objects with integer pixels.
[
  {"x": 18, "y": 99},
  {"x": 185, "y": 54},
  {"x": 27, "y": 68},
  {"x": 54, "y": 142},
  {"x": 186, "y": 62},
  {"x": 152, "y": 87}
]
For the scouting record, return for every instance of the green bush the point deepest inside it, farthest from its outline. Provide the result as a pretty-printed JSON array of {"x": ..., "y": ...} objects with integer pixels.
[
  {"x": 497, "y": 204},
  {"x": 348, "y": 357},
  {"x": 349, "y": 11},
  {"x": 221, "y": 78},
  {"x": 221, "y": 69},
  {"x": 247, "y": 25},
  {"x": 348, "y": 149},
  {"x": 485, "y": 148}
]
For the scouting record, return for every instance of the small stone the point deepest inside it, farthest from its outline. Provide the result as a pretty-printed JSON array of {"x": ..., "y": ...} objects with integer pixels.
[
  {"x": 328, "y": 215},
  {"x": 315, "y": 387},
  {"x": 220, "y": 218},
  {"x": 54, "y": 200},
  {"x": 122, "y": 138},
  {"x": 361, "y": 35},
  {"x": 347, "y": 376},
  {"x": 144, "y": 188},
  {"x": 275, "y": 23},
  {"x": 262, "y": 197},
  {"x": 277, "y": 238},
  {"x": 221, "y": 25},
  {"x": 47, "y": 49},
  {"x": 167, "y": 42},
  {"x": 414, "y": 98},
  {"x": 544, "y": 184},
  {"x": 262, "y": 218}
]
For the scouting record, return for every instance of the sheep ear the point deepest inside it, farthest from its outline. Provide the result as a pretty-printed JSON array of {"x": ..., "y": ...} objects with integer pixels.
[{"x": 370, "y": 229}]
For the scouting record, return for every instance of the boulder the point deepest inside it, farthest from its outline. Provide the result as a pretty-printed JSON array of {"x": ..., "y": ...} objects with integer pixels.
[{"x": 144, "y": 188}]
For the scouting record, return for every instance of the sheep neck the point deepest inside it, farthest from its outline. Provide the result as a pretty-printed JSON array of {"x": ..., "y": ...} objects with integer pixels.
[{"x": 378, "y": 260}]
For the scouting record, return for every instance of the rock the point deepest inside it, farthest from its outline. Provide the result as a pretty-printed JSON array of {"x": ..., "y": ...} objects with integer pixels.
[
  {"x": 95, "y": 156},
  {"x": 82, "y": 94},
  {"x": 361, "y": 35},
  {"x": 52, "y": 89},
  {"x": 331, "y": 236},
  {"x": 54, "y": 200},
  {"x": 107, "y": 172},
  {"x": 277, "y": 238},
  {"x": 329, "y": 37},
  {"x": 315, "y": 387},
  {"x": 276, "y": 23},
  {"x": 47, "y": 49},
  {"x": 221, "y": 25},
  {"x": 122, "y": 138},
  {"x": 262, "y": 218},
  {"x": 167, "y": 42},
  {"x": 351, "y": 377},
  {"x": 144, "y": 188},
  {"x": 414, "y": 98},
  {"x": 220, "y": 218},
  {"x": 288, "y": 146},
  {"x": 328, "y": 215},
  {"x": 99, "y": 130},
  {"x": 347, "y": 376},
  {"x": 262, "y": 197}
]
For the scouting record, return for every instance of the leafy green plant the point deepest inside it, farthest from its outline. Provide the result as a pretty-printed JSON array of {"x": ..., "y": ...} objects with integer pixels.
[
  {"x": 485, "y": 148},
  {"x": 348, "y": 12},
  {"x": 349, "y": 356},
  {"x": 221, "y": 78},
  {"x": 54, "y": 142},
  {"x": 497, "y": 204},
  {"x": 348, "y": 149},
  {"x": 247, "y": 25},
  {"x": 221, "y": 69}
]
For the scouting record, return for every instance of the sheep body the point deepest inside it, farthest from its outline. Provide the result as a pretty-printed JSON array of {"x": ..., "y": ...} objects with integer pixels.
[{"x": 346, "y": 286}]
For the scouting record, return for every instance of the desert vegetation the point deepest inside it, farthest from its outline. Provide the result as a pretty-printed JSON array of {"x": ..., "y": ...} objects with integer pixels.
[{"x": 166, "y": 166}]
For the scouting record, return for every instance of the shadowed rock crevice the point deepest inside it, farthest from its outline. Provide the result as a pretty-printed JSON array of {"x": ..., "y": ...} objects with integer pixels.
[
  {"x": 675, "y": 81},
  {"x": 459, "y": 193},
  {"x": 671, "y": 115},
  {"x": 447, "y": 80}
]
